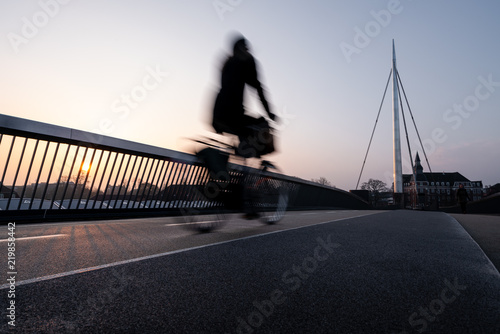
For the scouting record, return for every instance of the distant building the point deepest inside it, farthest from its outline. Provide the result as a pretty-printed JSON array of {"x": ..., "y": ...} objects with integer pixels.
[
  {"x": 493, "y": 189},
  {"x": 431, "y": 188},
  {"x": 6, "y": 192}
]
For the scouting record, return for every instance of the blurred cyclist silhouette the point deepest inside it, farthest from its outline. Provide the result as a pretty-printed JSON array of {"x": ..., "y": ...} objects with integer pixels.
[{"x": 255, "y": 138}]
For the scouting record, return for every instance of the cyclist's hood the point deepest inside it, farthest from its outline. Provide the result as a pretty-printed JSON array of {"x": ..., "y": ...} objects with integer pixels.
[{"x": 240, "y": 48}]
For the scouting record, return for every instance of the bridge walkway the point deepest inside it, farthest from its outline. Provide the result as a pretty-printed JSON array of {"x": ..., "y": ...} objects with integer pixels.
[{"x": 315, "y": 272}]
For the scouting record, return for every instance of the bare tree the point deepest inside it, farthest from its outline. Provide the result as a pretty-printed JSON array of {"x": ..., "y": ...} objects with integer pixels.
[
  {"x": 375, "y": 186},
  {"x": 323, "y": 181}
]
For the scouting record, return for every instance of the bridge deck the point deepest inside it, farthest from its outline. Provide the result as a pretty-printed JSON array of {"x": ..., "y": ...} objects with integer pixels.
[{"x": 315, "y": 272}]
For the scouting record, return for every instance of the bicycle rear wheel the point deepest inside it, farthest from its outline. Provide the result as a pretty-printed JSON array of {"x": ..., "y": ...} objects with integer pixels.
[
  {"x": 205, "y": 221},
  {"x": 208, "y": 213}
]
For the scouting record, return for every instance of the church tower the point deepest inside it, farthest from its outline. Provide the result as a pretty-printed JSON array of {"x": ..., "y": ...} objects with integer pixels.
[{"x": 418, "y": 169}]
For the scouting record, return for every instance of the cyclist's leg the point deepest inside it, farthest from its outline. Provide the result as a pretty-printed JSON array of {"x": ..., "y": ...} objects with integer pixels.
[{"x": 249, "y": 195}]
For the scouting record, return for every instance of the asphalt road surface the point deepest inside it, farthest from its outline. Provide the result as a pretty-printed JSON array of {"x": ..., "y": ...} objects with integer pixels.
[{"x": 314, "y": 272}]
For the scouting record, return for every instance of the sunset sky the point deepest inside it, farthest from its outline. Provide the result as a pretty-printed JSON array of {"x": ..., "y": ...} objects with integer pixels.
[{"x": 148, "y": 71}]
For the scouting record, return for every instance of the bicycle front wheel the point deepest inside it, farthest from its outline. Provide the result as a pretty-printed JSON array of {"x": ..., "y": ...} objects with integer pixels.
[{"x": 272, "y": 201}]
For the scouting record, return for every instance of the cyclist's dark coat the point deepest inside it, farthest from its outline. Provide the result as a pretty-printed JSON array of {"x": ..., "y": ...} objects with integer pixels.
[{"x": 229, "y": 113}]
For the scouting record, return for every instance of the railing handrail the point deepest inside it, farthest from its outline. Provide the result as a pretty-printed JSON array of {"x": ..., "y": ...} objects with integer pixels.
[
  {"x": 41, "y": 130},
  {"x": 162, "y": 167}
]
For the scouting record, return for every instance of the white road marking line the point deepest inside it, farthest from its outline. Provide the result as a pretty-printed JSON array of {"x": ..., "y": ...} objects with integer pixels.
[
  {"x": 38, "y": 237},
  {"x": 317, "y": 213},
  {"x": 109, "y": 265},
  {"x": 200, "y": 222}
]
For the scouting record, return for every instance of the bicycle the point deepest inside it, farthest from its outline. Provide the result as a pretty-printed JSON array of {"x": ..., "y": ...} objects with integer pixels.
[{"x": 231, "y": 188}]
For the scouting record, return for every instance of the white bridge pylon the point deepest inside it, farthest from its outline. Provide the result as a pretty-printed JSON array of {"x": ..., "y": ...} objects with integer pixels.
[{"x": 397, "y": 166}]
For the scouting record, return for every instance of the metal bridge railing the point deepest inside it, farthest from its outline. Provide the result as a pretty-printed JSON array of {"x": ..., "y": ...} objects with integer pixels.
[{"x": 48, "y": 171}]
